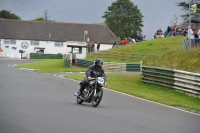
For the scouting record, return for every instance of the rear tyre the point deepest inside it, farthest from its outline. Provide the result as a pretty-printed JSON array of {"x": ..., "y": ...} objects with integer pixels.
[{"x": 97, "y": 99}]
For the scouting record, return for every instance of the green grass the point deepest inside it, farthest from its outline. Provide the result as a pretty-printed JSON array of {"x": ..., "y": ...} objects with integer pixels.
[
  {"x": 150, "y": 47},
  {"x": 132, "y": 84},
  {"x": 176, "y": 59},
  {"x": 51, "y": 66},
  {"x": 164, "y": 52},
  {"x": 157, "y": 46}
]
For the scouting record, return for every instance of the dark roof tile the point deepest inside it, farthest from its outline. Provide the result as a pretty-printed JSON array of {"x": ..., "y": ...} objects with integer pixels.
[{"x": 34, "y": 30}]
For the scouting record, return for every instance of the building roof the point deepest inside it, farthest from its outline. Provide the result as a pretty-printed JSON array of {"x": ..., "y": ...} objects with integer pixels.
[
  {"x": 54, "y": 31},
  {"x": 185, "y": 24}
]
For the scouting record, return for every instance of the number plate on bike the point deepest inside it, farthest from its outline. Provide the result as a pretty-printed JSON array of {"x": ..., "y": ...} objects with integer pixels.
[{"x": 100, "y": 80}]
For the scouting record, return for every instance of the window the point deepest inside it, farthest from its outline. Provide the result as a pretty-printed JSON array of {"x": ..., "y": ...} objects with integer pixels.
[
  {"x": 9, "y": 41},
  {"x": 34, "y": 42},
  {"x": 58, "y": 44},
  {"x": 77, "y": 50},
  {"x": 14, "y": 48}
]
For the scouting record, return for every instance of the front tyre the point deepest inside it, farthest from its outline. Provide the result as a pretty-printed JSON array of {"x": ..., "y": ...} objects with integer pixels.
[{"x": 97, "y": 99}]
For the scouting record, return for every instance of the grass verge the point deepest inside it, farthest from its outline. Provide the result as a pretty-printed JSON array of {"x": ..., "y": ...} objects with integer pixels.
[
  {"x": 132, "y": 84},
  {"x": 51, "y": 66}
]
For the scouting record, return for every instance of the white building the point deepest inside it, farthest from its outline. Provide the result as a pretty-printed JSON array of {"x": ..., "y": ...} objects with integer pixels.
[{"x": 51, "y": 37}]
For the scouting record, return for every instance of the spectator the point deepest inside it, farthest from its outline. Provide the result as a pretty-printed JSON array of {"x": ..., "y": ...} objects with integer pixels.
[
  {"x": 169, "y": 31},
  {"x": 98, "y": 47},
  {"x": 125, "y": 41},
  {"x": 191, "y": 36},
  {"x": 174, "y": 31},
  {"x": 130, "y": 40},
  {"x": 162, "y": 36},
  {"x": 159, "y": 32},
  {"x": 184, "y": 32},
  {"x": 144, "y": 37},
  {"x": 88, "y": 47},
  {"x": 114, "y": 44},
  {"x": 179, "y": 31},
  {"x": 92, "y": 47},
  {"x": 133, "y": 40}
]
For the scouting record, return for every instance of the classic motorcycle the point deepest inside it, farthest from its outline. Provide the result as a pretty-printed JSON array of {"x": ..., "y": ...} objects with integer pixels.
[{"x": 92, "y": 93}]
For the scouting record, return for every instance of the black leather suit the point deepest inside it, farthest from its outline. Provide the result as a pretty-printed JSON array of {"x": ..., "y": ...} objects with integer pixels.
[{"x": 93, "y": 71}]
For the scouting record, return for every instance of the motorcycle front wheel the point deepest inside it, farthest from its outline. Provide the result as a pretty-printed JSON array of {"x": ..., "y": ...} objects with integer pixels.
[
  {"x": 97, "y": 99},
  {"x": 78, "y": 100}
]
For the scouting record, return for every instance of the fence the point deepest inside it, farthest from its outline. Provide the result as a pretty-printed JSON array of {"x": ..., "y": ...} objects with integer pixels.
[
  {"x": 189, "y": 45},
  {"x": 111, "y": 65},
  {"x": 119, "y": 55},
  {"x": 67, "y": 63},
  {"x": 174, "y": 79},
  {"x": 45, "y": 56}
]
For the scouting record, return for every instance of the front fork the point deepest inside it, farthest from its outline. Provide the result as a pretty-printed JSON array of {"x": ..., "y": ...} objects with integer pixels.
[{"x": 95, "y": 89}]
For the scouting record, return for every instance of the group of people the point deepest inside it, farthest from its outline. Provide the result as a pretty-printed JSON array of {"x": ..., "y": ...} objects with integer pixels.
[
  {"x": 126, "y": 41},
  {"x": 175, "y": 31},
  {"x": 91, "y": 47}
]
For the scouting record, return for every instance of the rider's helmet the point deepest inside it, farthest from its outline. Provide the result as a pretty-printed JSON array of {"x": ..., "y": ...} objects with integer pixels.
[{"x": 99, "y": 63}]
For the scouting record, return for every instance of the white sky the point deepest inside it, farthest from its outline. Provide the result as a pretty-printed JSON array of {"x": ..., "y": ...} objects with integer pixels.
[{"x": 157, "y": 13}]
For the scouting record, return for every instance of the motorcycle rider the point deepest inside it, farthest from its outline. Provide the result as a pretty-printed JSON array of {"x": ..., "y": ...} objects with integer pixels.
[{"x": 93, "y": 71}]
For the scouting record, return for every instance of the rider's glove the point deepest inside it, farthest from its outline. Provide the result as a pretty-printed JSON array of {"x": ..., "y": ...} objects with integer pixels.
[
  {"x": 106, "y": 84},
  {"x": 89, "y": 78}
]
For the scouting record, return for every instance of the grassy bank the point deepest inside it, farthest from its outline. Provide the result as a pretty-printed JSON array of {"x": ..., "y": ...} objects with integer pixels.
[{"x": 164, "y": 52}]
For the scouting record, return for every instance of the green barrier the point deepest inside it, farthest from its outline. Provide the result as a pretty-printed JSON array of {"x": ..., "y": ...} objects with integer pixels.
[
  {"x": 133, "y": 67},
  {"x": 67, "y": 63},
  {"x": 84, "y": 63},
  {"x": 45, "y": 56}
]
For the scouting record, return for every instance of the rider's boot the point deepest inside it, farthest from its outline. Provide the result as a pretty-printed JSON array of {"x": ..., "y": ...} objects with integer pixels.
[{"x": 80, "y": 92}]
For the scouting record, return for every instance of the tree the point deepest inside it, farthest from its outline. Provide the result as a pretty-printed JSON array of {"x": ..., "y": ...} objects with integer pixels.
[
  {"x": 8, "y": 15},
  {"x": 40, "y": 19},
  {"x": 45, "y": 18},
  {"x": 174, "y": 21},
  {"x": 185, "y": 7},
  {"x": 123, "y": 17}
]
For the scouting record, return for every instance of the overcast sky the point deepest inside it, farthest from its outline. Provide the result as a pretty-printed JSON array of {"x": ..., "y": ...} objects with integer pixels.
[{"x": 157, "y": 13}]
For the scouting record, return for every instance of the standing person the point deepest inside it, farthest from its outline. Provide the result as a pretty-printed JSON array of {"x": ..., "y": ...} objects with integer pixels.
[
  {"x": 98, "y": 47},
  {"x": 191, "y": 36},
  {"x": 175, "y": 31},
  {"x": 92, "y": 47},
  {"x": 114, "y": 44},
  {"x": 88, "y": 47},
  {"x": 169, "y": 31}
]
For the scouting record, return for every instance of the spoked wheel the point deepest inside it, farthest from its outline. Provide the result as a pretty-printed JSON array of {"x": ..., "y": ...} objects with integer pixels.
[
  {"x": 97, "y": 99},
  {"x": 78, "y": 100}
]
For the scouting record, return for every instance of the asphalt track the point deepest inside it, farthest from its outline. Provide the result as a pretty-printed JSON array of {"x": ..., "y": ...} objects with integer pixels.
[{"x": 44, "y": 103}]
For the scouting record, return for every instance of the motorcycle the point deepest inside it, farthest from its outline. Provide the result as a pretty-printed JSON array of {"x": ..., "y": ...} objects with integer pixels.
[{"x": 92, "y": 93}]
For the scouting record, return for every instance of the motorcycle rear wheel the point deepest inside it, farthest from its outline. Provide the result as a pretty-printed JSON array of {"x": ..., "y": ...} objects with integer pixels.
[{"x": 97, "y": 99}]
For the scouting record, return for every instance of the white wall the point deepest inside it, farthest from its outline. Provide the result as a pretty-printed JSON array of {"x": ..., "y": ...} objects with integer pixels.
[
  {"x": 48, "y": 45},
  {"x": 103, "y": 46}
]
